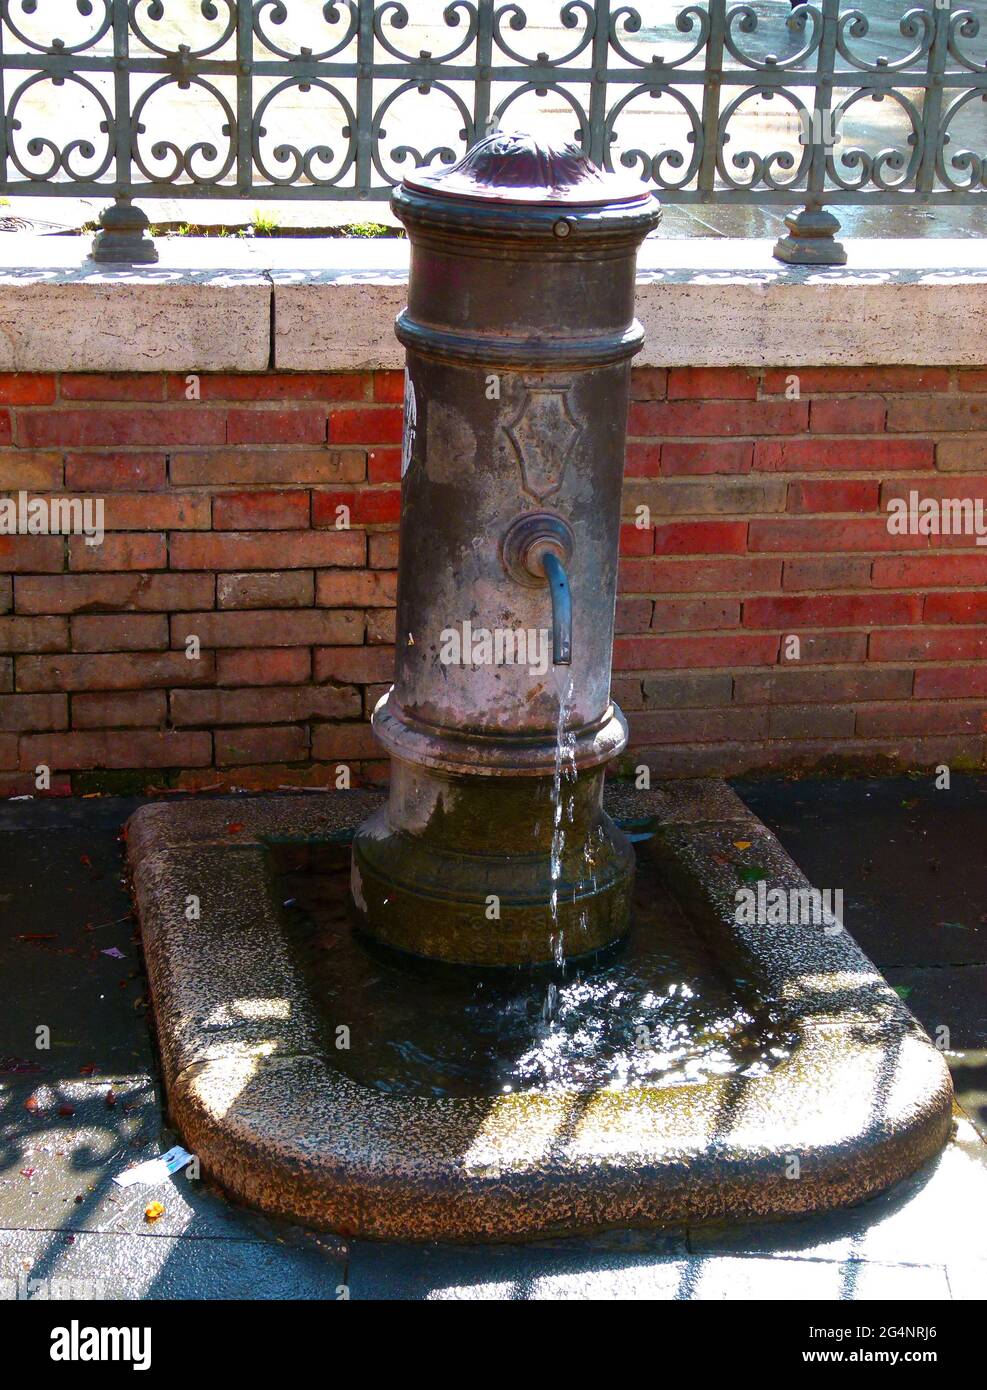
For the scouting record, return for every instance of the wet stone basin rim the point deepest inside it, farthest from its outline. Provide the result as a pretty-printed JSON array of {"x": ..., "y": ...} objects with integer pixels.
[{"x": 863, "y": 1100}]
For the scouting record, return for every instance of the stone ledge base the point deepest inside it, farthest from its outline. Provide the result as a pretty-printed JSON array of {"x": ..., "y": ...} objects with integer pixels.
[{"x": 863, "y": 1101}]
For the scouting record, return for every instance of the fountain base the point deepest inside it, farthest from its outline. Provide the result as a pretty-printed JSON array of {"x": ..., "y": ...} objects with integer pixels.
[
  {"x": 491, "y": 852},
  {"x": 492, "y": 871},
  {"x": 861, "y": 1098}
]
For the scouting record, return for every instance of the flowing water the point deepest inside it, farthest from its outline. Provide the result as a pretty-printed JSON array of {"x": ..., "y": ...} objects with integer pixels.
[
  {"x": 661, "y": 1007},
  {"x": 563, "y": 798}
]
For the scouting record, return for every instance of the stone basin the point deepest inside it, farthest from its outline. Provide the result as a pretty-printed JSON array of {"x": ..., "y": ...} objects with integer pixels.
[{"x": 860, "y": 1099}]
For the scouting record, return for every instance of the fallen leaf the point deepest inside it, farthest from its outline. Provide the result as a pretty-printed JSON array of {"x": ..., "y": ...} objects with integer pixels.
[
  {"x": 17, "y": 1066},
  {"x": 741, "y": 844}
]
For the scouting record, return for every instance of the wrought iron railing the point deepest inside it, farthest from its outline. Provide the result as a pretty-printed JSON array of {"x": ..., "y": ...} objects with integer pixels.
[{"x": 266, "y": 99}]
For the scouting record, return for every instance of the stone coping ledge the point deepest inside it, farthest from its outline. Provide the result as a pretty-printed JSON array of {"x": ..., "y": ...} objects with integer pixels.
[{"x": 312, "y": 304}]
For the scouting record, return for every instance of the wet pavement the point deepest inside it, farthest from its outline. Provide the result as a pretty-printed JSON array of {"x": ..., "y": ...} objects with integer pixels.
[
  {"x": 912, "y": 863},
  {"x": 73, "y": 1113}
]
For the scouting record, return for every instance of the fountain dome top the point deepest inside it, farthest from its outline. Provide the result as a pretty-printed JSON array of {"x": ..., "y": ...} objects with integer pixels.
[{"x": 516, "y": 167}]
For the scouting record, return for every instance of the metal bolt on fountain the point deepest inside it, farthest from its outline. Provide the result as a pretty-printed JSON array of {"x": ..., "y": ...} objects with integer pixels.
[
  {"x": 519, "y": 333},
  {"x": 551, "y": 1029}
]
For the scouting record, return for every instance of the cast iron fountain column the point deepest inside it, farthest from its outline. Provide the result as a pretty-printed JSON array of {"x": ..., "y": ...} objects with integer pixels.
[{"x": 493, "y": 848}]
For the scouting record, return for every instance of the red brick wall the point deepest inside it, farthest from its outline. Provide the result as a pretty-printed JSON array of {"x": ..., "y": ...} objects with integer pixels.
[{"x": 767, "y": 520}]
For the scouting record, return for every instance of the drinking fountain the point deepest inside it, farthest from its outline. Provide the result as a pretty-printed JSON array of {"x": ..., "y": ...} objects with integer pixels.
[
  {"x": 519, "y": 333},
  {"x": 505, "y": 1001}
]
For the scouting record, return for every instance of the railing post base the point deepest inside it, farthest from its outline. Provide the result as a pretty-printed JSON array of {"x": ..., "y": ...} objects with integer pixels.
[
  {"x": 811, "y": 239},
  {"x": 122, "y": 235}
]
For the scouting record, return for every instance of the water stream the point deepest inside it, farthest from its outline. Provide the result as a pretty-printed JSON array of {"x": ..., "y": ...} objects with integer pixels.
[{"x": 563, "y": 803}]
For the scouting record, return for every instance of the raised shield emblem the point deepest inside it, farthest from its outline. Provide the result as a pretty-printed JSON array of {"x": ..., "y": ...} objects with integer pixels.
[{"x": 544, "y": 434}]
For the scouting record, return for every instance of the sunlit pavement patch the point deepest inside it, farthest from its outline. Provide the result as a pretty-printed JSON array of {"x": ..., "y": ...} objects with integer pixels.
[{"x": 41, "y": 1264}]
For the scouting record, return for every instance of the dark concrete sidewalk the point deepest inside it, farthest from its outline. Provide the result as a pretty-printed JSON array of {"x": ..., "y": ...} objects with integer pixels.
[{"x": 911, "y": 862}]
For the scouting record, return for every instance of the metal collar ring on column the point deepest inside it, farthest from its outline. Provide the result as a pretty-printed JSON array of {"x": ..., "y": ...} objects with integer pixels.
[
  {"x": 545, "y": 353},
  {"x": 477, "y": 754}
]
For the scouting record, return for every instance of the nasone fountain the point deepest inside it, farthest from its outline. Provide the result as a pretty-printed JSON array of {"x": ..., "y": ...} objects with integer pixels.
[{"x": 499, "y": 1003}]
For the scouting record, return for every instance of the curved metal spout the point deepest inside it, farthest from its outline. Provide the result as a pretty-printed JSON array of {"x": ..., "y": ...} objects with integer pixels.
[{"x": 558, "y": 583}]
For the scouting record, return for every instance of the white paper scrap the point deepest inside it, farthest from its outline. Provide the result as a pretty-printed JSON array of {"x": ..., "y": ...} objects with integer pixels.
[{"x": 155, "y": 1170}]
